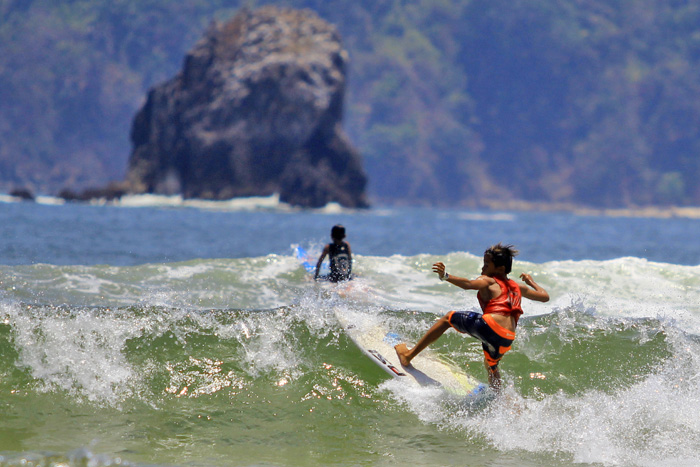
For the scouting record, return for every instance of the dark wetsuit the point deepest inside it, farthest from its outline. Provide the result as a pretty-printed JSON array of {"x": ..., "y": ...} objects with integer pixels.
[{"x": 341, "y": 263}]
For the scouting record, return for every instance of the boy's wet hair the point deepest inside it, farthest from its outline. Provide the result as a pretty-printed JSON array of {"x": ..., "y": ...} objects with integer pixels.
[
  {"x": 502, "y": 255},
  {"x": 338, "y": 232}
]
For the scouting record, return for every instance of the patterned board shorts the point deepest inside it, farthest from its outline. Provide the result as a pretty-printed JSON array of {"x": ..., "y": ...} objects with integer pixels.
[{"x": 496, "y": 340}]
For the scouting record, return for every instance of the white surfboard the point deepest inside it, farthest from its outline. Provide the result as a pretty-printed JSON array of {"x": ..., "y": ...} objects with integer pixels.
[
  {"x": 426, "y": 369},
  {"x": 377, "y": 343}
]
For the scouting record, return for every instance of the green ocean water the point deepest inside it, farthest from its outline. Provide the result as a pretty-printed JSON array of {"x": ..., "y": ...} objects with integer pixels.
[{"x": 242, "y": 362}]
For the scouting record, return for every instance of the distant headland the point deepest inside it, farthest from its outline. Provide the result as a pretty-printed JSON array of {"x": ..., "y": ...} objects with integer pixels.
[{"x": 452, "y": 104}]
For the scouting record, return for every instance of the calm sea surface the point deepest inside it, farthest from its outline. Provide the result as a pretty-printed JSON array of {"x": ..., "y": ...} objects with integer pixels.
[{"x": 161, "y": 334}]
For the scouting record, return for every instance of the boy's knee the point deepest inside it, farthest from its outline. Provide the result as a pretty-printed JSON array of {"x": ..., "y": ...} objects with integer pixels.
[{"x": 445, "y": 320}]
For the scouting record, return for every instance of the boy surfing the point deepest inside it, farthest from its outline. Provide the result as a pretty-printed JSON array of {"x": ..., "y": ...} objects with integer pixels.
[
  {"x": 499, "y": 298},
  {"x": 340, "y": 256}
]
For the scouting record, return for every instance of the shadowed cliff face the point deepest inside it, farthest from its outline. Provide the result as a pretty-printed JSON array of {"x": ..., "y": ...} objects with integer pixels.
[{"x": 256, "y": 110}]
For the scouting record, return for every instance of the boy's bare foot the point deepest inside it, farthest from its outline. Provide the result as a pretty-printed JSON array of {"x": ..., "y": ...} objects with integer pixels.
[{"x": 402, "y": 352}]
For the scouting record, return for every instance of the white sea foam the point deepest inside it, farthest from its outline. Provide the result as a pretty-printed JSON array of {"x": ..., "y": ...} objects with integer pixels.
[
  {"x": 248, "y": 203},
  {"x": 252, "y": 203},
  {"x": 80, "y": 353},
  {"x": 625, "y": 287},
  {"x": 486, "y": 216},
  {"x": 50, "y": 200},
  {"x": 653, "y": 422}
]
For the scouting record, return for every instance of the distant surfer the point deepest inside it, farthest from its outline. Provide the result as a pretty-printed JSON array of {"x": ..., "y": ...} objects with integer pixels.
[
  {"x": 499, "y": 298},
  {"x": 340, "y": 257}
]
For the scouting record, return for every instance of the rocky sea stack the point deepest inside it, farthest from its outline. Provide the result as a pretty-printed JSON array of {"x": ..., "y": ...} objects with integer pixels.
[{"x": 256, "y": 110}]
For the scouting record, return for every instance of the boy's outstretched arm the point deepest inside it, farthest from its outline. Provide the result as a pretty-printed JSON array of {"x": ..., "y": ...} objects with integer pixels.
[
  {"x": 479, "y": 283},
  {"x": 538, "y": 294}
]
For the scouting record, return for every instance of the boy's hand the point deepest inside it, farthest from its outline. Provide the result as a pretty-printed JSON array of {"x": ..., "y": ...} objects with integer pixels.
[
  {"x": 527, "y": 279},
  {"x": 439, "y": 269},
  {"x": 538, "y": 294}
]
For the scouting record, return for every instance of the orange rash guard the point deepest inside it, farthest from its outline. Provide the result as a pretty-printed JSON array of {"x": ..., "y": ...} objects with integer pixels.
[{"x": 507, "y": 304}]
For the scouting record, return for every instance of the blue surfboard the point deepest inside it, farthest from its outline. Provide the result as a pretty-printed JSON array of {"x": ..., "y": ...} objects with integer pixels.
[
  {"x": 305, "y": 260},
  {"x": 309, "y": 263}
]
